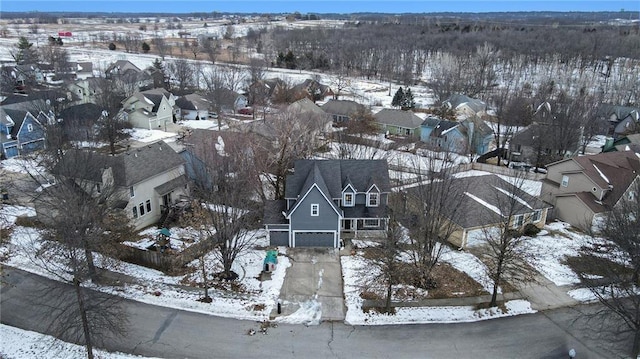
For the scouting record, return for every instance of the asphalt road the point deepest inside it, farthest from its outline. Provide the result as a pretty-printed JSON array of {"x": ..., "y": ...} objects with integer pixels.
[{"x": 169, "y": 333}]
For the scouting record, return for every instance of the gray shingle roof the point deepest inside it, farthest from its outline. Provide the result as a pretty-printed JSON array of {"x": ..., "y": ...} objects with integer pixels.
[
  {"x": 470, "y": 212},
  {"x": 341, "y": 107},
  {"x": 129, "y": 168},
  {"x": 400, "y": 118},
  {"x": 335, "y": 174}
]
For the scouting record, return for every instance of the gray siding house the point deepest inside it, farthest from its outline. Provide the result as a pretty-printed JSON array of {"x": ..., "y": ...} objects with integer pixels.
[{"x": 326, "y": 198}]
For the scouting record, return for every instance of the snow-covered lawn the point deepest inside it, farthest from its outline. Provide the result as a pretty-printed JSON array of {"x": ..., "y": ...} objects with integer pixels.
[
  {"x": 353, "y": 268},
  {"x": 23, "y": 344},
  {"x": 254, "y": 302},
  {"x": 149, "y": 136}
]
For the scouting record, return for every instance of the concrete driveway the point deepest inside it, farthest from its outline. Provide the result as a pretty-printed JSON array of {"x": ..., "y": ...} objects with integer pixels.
[{"x": 313, "y": 282}]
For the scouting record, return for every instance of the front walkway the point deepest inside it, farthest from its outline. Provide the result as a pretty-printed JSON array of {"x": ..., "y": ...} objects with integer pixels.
[
  {"x": 313, "y": 282},
  {"x": 543, "y": 294}
]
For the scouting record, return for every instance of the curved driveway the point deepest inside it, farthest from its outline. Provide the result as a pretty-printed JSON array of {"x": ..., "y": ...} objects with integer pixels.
[{"x": 169, "y": 333}]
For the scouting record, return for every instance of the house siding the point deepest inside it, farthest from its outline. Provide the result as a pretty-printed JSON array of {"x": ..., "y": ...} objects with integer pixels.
[
  {"x": 145, "y": 191},
  {"x": 571, "y": 210},
  {"x": 301, "y": 219}
]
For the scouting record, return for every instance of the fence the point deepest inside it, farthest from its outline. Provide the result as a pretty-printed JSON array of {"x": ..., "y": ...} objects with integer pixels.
[
  {"x": 464, "y": 301},
  {"x": 500, "y": 170}
]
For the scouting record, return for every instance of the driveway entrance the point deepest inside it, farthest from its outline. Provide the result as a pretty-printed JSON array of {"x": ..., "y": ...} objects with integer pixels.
[{"x": 314, "y": 282}]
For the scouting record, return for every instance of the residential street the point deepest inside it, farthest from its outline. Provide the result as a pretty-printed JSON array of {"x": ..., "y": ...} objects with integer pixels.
[{"x": 170, "y": 333}]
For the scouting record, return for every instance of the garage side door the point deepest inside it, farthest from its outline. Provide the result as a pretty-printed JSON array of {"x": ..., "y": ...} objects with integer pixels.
[
  {"x": 314, "y": 239},
  {"x": 278, "y": 238}
]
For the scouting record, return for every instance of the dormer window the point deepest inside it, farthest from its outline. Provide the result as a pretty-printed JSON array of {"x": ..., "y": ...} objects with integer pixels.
[
  {"x": 373, "y": 198},
  {"x": 348, "y": 199}
]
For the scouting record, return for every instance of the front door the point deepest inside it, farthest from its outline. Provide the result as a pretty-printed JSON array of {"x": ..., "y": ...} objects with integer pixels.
[{"x": 347, "y": 224}]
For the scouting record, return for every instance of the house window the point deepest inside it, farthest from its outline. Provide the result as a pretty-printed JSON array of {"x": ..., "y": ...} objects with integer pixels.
[
  {"x": 30, "y": 127},
  {"x": 632, "y": 195},
  {"x": 372, "y": 199},
  {"x": 518, "y": 221},
  {"x": 348, "y": 199},
  {"x": 315, "y": 210},
  {"x": 148, "y": 203},
  {"x": 131, "y": 192},
  {"x": 537, "y": 216},
  {"x": 135, "y": 212},
  {"x": 369, "y": 223},
  {"x": 141, "y": 206},
  {"x": 565, "y": 181}
]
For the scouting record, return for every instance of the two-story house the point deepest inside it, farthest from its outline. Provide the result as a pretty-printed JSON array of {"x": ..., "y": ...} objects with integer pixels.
[
  {"x": 465, "y": 106},
  {"x": 151, "y": 109},
  {"x": 21, "y": 131},
  {"x": 584, "y": 189},
  {"x": 146, "y": 181},
  {"x": 324, "y": 198}
]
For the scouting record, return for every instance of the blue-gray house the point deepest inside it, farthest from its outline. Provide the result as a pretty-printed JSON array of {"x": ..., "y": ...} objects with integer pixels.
[
  {"x": 21, "y": 132},
  {"x": 467, "y": 136},
  {"x": 326, "y": 198}
]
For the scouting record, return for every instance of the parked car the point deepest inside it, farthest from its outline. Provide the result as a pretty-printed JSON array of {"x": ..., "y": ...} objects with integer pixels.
[
  {"x": 246, "y": 111},
  {"x": 213, "y": 115}
]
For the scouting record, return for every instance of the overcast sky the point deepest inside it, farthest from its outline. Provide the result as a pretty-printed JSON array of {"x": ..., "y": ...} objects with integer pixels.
[{"x": 316, "y": 6}]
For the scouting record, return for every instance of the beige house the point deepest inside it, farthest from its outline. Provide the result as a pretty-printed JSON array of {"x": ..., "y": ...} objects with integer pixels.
[
  {"x": 583, "y": 189},
  {"x": 482, "y": 204},
  {"x": 146, "y": 181},
  {"x": 151, "y": 109}
]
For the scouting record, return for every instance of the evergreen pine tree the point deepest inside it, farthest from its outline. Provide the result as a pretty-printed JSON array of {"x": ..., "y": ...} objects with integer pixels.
[
  {"x": 26, "y": 54},
  {"x": 145, "y": 47},
  {"x": 408, "y": 101},
  {"x": 397, "y": 98}
]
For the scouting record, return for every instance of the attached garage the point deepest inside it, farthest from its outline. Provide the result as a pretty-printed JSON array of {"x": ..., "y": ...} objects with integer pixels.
[
  {"x": 279, "y": 238},
  {"x": 314, "y": 239}
]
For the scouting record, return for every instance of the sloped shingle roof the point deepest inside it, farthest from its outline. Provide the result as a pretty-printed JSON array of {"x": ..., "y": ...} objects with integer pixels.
[{"x": 400, "y": 118}]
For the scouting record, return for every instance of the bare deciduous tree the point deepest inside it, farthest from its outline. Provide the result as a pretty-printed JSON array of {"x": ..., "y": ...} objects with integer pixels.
[
  {"x": 182, "y": 73},
  {"x": 611, "y": 268},
  {"x": 502, "y": 247},
  {"x": 224, "y": 188}
]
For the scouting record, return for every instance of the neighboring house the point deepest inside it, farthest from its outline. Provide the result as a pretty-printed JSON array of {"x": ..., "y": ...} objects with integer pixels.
[
  {"x": 193, "y": 107},
  {"x": 147, "y": 180},
  {"x": 584, "y": 189},
  {"x": 313, "y": 90},
  {"x": 266, "y": 90},
  {"x": 479, "y": 135},
  {"x": 537, "y": 145},
  {"x": 79, "y": 121},
  {"x": 399, "y": 122},
  {"x": 325, "y": 198},
  {"x": 83, "y": 70},
  {"x": 443, "y": 135},
  {"x": 120, "y": 68},
  {"x": 86, "y": 90},
  {"x": 128, "y": 76},
  {"x": 625, "y": 143},
  {"x": 342, "y": 110},
  {"x": 319, "y": 121},
  {"x": 465, "y": 106},
  {"x": 205, "y": 150},
  {"x": 484, "y": 203},
  {"x": 21, "y": 131},
  {"x": 151, "y": 109},
  {"x": 622, "y": 119}
]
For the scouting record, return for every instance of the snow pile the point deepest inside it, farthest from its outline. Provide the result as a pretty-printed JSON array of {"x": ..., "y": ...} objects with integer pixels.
[
  {"x": 24, "y": 344},
  {"x": 309, "y": 313}
]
